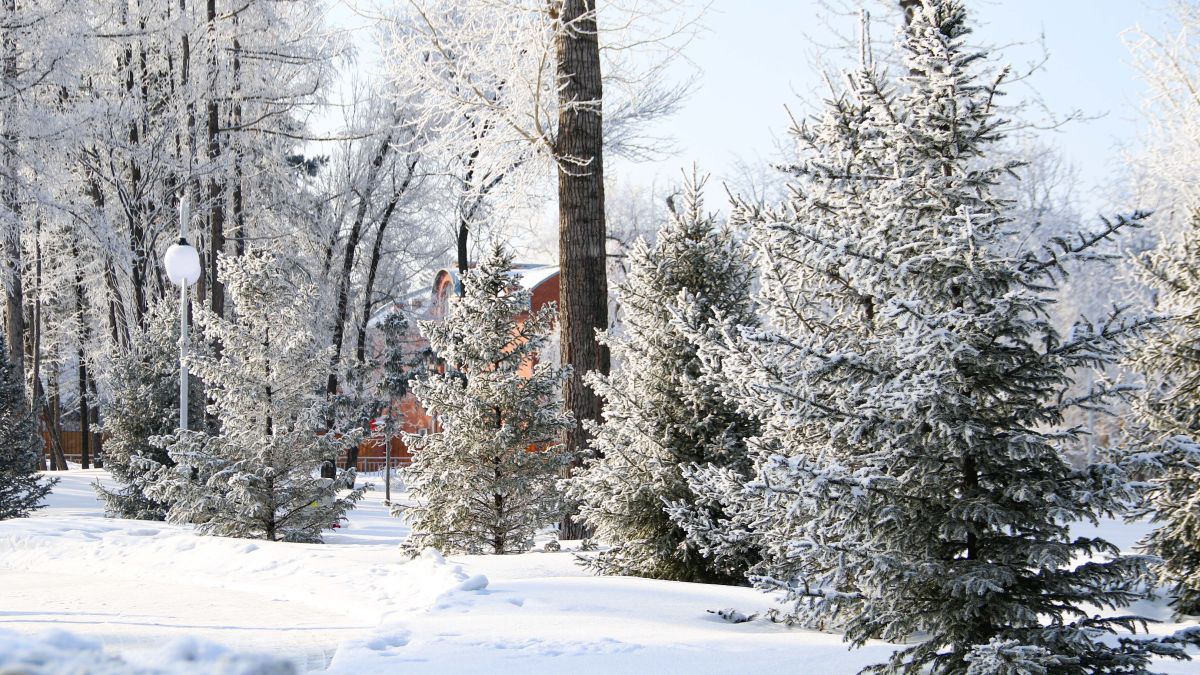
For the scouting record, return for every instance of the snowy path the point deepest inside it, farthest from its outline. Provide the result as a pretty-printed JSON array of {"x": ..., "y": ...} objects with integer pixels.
[
  {"x": 131, "y": 617},
  {"x": 135, "y": 585},
  {"x": 356, "y": 606}
]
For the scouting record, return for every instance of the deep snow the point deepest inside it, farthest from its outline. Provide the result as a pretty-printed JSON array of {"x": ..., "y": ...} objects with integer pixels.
[{"x": 159, "y": 595}]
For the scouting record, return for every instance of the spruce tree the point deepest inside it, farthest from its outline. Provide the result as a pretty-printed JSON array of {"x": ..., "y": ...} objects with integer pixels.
[
  {"x": 1167, "y": 411},
  {"x": 909, "y": 479},
  {"x": 486, "y": 481},
  {"x": 144, "y": 404},
  {"x": 255, "y": 476},
  {"x": 21, "y": 489},
  {"x": 665, "y": 410},
  {"x": 399, "y": 364}
]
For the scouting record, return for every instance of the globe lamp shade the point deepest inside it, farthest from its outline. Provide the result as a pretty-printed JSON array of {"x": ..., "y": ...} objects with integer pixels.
[{"x": 182, "y": 263}]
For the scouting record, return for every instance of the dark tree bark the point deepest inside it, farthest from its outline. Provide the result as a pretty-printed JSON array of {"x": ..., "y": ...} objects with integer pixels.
[
  {"x": 83, "y": 337},
  {"x": 465, "y": 213},
  {"x": 471, "y": 201},
  {"x": 360, "y": 351},
  {"x": 353, "y": 239},
  {"x": 49, "y": 414},
  {"x": 583, "y": 300},
  {"x": 94, "y": 419},
  {"x": 342, "y": 308},
  {"x": 216, "y": 191},
  {"x": 239, "y": 215},
  {"x": 14, "y": 297},
  {"x": 118, "y": 328},
  {"x": 117, "y": 324},
  {"x": 132, "y": 198}
]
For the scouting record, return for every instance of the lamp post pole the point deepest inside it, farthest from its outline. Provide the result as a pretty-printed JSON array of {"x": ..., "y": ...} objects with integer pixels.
[
  {"x": 183, "y": 350},
  {"x": 183, "y": 268},
  {"x": 184, "y": 216}
]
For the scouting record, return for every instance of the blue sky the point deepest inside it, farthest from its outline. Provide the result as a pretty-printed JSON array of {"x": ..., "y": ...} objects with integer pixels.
[{"x": 754, "y": 59}]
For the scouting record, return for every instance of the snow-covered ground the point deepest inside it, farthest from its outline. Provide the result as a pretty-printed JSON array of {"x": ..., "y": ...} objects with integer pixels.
[{"x": 151, "y": 592}]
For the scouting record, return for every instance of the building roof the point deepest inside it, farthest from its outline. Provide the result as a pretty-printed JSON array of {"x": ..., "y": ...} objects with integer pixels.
[{"x": 531, "y": 277}]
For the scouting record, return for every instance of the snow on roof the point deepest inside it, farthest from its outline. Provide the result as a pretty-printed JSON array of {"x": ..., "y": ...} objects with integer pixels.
[{"x": 533, "y": 276}]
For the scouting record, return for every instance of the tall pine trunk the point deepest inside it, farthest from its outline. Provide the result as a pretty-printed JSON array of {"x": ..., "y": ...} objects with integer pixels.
[
  {"x": 83, "y": 339},
  {"x": 14, "y": 299},
  {"x": 583, "y": 304},
  {"x": 216, "y": 187}
]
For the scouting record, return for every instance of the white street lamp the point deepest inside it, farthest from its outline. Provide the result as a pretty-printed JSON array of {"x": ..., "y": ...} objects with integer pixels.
[{"x": 183, "y": 268}]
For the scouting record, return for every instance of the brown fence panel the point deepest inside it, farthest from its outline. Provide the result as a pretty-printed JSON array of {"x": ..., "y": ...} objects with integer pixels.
[
  {"x": 372, "y": 454},
  {"x": 72, "y": 445}
]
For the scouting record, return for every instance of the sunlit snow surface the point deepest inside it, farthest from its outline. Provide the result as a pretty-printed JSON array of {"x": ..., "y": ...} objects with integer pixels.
[{"x": 157, "y": 595}]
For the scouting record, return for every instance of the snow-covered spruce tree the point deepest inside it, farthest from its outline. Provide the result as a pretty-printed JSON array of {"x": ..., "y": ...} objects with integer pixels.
[
  {"x": 1167, "y": 411},
  {"x": 404, "y": 359},
  {"x": 21, "y": 489},
  {"x": 486, "y": 481},
  {"x": 144, "y": 404},
  {"x": 663, "y": 410},
  {"x": 908, "y": 478},
  {"x": 254, "y": 476}
]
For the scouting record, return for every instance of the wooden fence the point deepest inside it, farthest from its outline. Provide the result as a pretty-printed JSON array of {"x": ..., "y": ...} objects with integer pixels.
[
  {"x": 72, "y": 445},
  {"x": 371, "y": 451}
]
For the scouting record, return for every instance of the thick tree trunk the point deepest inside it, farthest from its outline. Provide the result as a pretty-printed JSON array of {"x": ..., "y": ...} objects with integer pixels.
[
  {"x": 54, "y": 406},
  {"x": 117, "y": 322},
  {"x": 239, "y": 212},
  {"x": 465, "y": 212},
  {"x": 93, "y": 421},
  {"x": 49, "y": 410},
  {"x": 83, "y": 337},
  {"x": 117, "y": 326},
  {"x": 583, "y": 305},
  {"x": 14, "y": 297},
  {"x": 216, "y": 188},
  {"x": 132, "y": 196}
]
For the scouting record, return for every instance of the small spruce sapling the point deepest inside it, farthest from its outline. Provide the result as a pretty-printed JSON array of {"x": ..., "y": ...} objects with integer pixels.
[
  {"x": 666, "y": 411},
  {"x": 255, "y": 476},
  {"x": 486, "y": 481},
  {"x": 21, "y": 488},
  {"x": 398, "y": 368},
  {"x": 144, "y": 404}
]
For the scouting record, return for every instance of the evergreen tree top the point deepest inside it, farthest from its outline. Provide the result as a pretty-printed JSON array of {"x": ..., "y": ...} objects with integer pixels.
[{"x": 492, "y": 324}]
